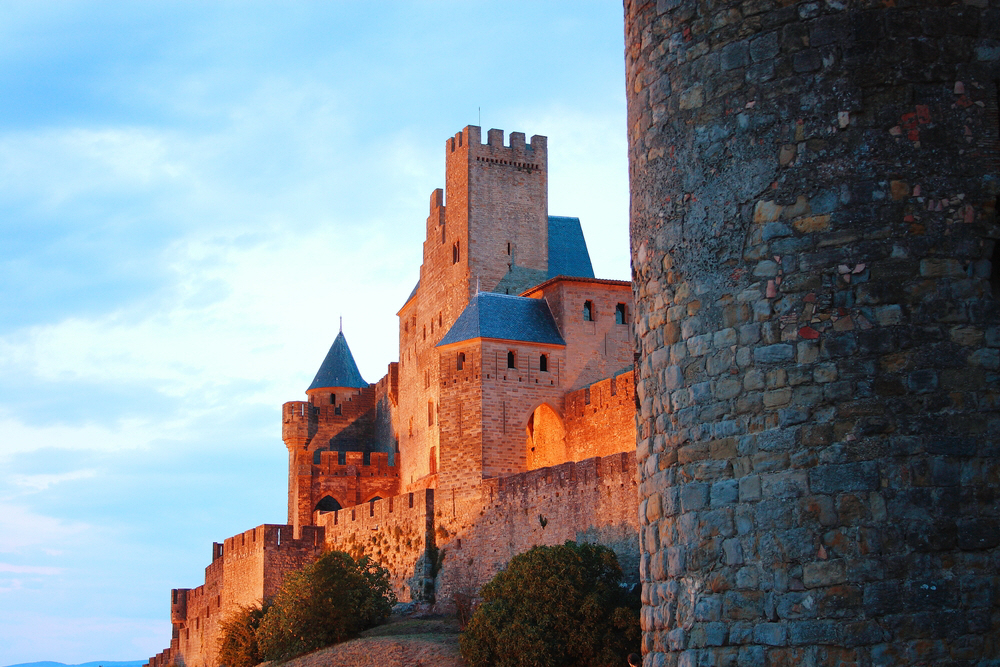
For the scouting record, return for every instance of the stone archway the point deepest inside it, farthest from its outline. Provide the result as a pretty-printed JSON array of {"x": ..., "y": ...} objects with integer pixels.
[
  {"x": 328, "y": 504},
  {"x": 545, "y": 438}
]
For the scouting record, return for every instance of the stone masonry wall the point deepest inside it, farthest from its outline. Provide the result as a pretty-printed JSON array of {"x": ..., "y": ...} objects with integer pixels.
[
  {"x": 601, "y": 347},
  {"x": 478, "y": 531},
  {"x": 245, "y": 570},
  {"x": 813, "y": 228},
  {"x": 600, "y": 419},
  {"x": 395, "y": 531}
]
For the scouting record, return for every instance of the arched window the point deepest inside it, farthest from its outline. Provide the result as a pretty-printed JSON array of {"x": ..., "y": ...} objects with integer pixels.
[
  {"x": 511, "y": 360},
  {"x": 588, "y": 311},
  {"x": 461, "y": 361},
  {"x": 620, "y": 313},
  {"x": 543, "y": 363},
  {"x": 456, "y": 253}
]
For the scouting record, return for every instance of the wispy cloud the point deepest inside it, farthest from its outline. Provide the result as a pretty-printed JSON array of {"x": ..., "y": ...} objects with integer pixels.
[
  {"x": 22, "y": 528},
  {"x": 29, "y": 569},
  {"x": 42, "y": 482}
]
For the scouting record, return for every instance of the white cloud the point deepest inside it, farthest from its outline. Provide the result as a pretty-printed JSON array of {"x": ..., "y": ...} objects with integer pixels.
[
  {"x": 21, "y": 528},
  {"x": 44, "y": 481},
  {"x": 30, "y": 569}
]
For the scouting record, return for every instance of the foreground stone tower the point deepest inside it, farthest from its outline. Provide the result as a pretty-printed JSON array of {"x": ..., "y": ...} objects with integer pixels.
[{"x": 814, "y": 189}]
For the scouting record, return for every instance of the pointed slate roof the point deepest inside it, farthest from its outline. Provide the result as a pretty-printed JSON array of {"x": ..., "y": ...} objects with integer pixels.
[
  {"x": 505, "y": 317},
  {"x": 338, "y": 369},
  {"x": 568, "y": 254}
]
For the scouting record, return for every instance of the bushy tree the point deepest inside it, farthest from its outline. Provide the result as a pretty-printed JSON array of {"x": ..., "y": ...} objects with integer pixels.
[
  {"x": 554, "y": 606},
  {"x": 238, "y": 645},
  {"x": 326, "y": 602}
]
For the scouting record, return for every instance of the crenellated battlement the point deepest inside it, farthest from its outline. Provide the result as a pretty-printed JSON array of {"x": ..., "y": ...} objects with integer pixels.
[
  {"x": 531, "y": 156},
  {"x": 355, "y": 464},
  {"x": 606, "y": 394},
  {"x": 589, "y": 472}
]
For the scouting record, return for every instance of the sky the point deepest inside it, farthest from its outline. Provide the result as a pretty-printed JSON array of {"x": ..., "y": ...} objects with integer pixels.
[{"x": 191, "y": 195}]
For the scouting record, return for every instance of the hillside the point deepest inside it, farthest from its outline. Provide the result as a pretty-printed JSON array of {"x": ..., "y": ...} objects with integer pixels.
[{"x": 401, "y": 642}]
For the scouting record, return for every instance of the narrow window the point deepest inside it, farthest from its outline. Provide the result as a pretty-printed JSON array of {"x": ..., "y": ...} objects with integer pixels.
[
  {"x": 455, "y": 253},
  {"x": 342, "y": 458},
  {"x": 620, "y": 313},
  {"x": 333, "y": 399},
  {"x": 406, "y": 327},
  {"x": 588, "y": 311},
  {"x": 511, "y": 360},
  {"x": 440, "y": 320},
  {"x": 508, "y": 247},
  {"x": 432, "y": 465},
  {"x": 337, "y": 409},
  {"x": 425, "y": 332},
  {"x": 543, "y": 363},
  {"x": 430, "y": 413},
  {"x": 461, "y": 361},
  {"x": 411, "y": 427}
]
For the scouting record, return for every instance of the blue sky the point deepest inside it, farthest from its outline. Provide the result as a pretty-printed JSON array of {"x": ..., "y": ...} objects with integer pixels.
[{"x": 190, "y": 196}]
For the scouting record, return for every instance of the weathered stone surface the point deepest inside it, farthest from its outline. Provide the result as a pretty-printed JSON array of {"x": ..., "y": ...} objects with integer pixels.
[{"x": 833, "y": 171}]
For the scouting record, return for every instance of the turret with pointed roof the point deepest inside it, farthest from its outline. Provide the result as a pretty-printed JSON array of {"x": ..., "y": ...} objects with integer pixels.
[{"x": 338, "y": 368}]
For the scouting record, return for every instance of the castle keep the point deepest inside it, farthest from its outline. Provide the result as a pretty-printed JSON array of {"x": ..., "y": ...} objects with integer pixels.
[
  {"x": 814, "y": 189},
  {"x": 507, "y": 422}
]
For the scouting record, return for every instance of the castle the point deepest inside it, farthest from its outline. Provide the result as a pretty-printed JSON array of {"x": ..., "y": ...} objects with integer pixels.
[{"x": 508, "y": 421}]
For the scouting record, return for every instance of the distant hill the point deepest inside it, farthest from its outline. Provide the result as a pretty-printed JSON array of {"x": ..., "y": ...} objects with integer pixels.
[{"x": 96, "y": 663}]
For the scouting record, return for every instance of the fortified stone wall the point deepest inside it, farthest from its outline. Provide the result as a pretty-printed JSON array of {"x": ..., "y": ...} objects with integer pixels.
[
  {"x": 479, "y": 530},
  {"x": 242, "y": 567},
  {"x": 600, "y": 419},
  {"x": 395, "y": 531},
  {"x": 814, "y": 228},
  {"x": 472, "y": 533}
]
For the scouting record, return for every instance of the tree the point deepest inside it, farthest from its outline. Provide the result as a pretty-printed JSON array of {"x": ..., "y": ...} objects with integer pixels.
[
  {"x": 553, "y": 607},
  {"x": 324, "y": 603},
  {"x": 238, "y": 645}
]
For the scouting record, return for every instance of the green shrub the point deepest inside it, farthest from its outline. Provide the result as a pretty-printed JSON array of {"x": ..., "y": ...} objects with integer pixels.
[
  {"x": 238, "y": 645},
  {"x": 554, "y": 606},
  {"x": 326, "y": 602}
]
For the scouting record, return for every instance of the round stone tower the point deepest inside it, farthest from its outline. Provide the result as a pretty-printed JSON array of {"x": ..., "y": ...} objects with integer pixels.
[{"x": 814, "y": 189}]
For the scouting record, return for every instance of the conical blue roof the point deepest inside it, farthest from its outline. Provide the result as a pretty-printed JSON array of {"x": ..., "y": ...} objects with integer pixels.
[{"x": 338, "y": 369}]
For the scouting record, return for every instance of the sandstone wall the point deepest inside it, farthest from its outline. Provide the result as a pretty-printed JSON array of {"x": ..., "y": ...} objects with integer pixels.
[
  {"x": 395, "y": 531},
  {"x": 479, "y": 530},
  {"x": 245, "y": 570},
  {"x": 600, "y": 419},
  {"x": 813, "y": 234},
  {"x": 600, "y": 346}
]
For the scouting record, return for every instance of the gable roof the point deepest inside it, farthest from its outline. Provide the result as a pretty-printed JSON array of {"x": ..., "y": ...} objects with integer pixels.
[
  {"x": 505, "y": 317},
  {"x": 338, "y": 369},
  {"x": 568, "y": 254}
]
